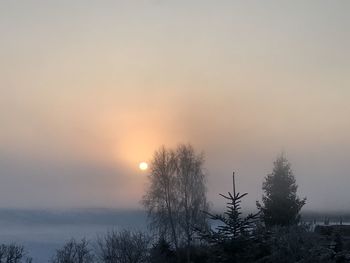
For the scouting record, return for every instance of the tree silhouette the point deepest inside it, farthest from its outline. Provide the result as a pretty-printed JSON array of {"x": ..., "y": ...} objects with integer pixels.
[
  {"x": 74, "y": 251},
  {"x": 280, "y": 203},
  {"x": 123, "y": 247},
  {"x": 177, "y": 195},
  {"x": 233, "y": 233},
  {"x": 13, "y": 254}
]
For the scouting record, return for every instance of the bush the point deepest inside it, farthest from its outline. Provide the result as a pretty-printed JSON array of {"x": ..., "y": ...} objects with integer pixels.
[
  {"x": 74, "y": 252},
  {"x": 162, "y": 252},
  {"x": 123, "y": 247},
  {"x": 13, "y": 254}
]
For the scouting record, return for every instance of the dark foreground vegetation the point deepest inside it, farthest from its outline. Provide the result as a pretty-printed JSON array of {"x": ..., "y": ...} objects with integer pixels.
[{"x": 182, "y": 227}]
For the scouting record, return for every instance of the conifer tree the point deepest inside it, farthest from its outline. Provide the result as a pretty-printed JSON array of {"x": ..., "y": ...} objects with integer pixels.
[
  {"x": 280, "y": 203},
  {"x": 234, "y": 232}
]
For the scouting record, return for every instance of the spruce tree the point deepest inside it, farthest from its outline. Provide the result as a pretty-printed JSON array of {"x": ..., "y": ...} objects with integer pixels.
[
  {"x": 280, "y": 203},
  {"x": 233, "y": 234}
]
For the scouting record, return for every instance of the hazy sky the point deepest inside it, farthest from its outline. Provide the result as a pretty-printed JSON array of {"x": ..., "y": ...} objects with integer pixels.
[{"x": 88, "y": 89}]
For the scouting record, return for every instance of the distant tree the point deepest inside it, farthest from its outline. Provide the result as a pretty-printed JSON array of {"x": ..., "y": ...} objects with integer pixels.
[
  {"x": 123, "y": 247},
  {"x": 177, "y": 195},
  {"x": 74, "y": 252},
  {"x": 13, "y": 254},
  {"x": 280, "y": 203}
]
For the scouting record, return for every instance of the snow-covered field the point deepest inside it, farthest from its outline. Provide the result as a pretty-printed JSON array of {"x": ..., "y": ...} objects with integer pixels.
[{"x": 42, "y": 232}]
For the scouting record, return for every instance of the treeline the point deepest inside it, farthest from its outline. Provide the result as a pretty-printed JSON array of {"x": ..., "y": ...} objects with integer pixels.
[
  {"x": 182, "y": 228},
  {"x": 186, "y": 230}
]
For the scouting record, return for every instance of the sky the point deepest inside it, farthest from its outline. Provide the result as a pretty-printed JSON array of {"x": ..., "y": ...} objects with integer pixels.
[{"x": 88, "y": 89}]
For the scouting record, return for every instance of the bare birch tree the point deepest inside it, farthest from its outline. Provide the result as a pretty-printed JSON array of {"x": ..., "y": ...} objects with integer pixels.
[
  {"x": 192, "y": 197},
  {"x": 177, "y": 195},
  {"x": 160, "y": 200}
]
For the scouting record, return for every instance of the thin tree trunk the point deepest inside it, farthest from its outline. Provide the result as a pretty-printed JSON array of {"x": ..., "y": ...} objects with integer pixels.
[
  {"x": 188, "y": 235},
  {"x": 172, "y": 224}
]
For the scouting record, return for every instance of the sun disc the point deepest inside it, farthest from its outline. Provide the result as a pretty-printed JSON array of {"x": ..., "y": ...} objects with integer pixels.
[{"x": 143, "y": 166}]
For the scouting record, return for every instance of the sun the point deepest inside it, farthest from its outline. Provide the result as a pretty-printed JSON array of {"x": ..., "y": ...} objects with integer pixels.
[{"x": 143, "y": 166}]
